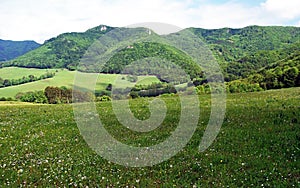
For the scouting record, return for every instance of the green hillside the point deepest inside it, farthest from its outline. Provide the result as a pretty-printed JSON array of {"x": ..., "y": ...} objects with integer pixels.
[
  {"x": 243, "y": 51},
  {"x": 63, "y": 51},
  {"x": 147, "y": 50},
  {"x": 232, "y": 44},
  {"x": 66, "y": 50},
  {"x": 251, "y": 63},
  {"x": 231, "y": 47},
  {"x": 281, "y": 74}
]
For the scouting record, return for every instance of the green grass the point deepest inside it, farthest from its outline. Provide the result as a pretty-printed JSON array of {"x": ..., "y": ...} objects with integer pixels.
[
  {"x": 258, "y": 146},
  {"x": 16, "y": 72},
  {"x": 62, "y": 78}
]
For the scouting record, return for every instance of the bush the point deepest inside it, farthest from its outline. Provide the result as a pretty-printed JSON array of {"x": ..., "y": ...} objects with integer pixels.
[
  {"x": 35, "y": 97},
  {"x": 6, "y": 99},
  {"x": 239, "y": 86},
  {"x": 103, "y": 98}
]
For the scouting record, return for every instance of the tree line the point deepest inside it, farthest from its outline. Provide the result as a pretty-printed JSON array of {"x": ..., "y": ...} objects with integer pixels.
[
  {"x": 55, "y": 95},
  {"x": 24, "y": 79}
]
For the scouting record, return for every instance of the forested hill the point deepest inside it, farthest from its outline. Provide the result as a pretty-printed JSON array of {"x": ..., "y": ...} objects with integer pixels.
[
  {"x": 233, "y": 44},
  {"x": 243, "y": 51},
  {"x": 240, "y": 52},
  {"x": 12, "y": 49},
  {"x": 63, "y": 51}
]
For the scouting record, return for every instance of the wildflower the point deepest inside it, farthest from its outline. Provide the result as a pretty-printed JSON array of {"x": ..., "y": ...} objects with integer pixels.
[{"x": 20, "y": 171}]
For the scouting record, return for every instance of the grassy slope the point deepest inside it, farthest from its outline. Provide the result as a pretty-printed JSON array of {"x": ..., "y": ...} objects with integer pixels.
[
  {"x": 62, "y": 78},
  {"x": 258, "y": 145},
  {"x": 16, "y": 72}
]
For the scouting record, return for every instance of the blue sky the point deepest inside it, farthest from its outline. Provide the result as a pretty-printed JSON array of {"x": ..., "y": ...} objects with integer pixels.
[{"x": 40, "y": 20}]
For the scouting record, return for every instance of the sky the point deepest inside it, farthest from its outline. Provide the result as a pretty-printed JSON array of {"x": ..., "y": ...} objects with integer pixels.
[{"x": 41, "y": 20}]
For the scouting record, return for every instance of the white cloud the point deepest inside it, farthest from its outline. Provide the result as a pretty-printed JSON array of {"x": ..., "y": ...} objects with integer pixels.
[
  {"x": 41, "y": 20},
  {"x": 287, "y": 9},
  {"x": 224, "y": 15}
]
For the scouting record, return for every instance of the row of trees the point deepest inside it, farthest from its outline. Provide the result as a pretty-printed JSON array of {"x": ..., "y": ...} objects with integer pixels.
[
  {"x": 152, "y": 90},
  {"x": 56, "y": 95},
  {"x": 24, "y": 79}
]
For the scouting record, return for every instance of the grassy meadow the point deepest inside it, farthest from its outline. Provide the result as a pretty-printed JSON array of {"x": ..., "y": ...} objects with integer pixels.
[
  {"x": 62, "y": 77},
  {"x": 17, "y": 72},
  {"x": 258, "y": 146}
]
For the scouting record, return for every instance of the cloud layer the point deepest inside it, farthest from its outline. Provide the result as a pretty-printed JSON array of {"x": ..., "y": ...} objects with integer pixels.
[{"x": 41, "y": 20}]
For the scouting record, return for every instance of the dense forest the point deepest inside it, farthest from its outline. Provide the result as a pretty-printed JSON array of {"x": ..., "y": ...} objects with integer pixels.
[{"x": 163, "y": 57}]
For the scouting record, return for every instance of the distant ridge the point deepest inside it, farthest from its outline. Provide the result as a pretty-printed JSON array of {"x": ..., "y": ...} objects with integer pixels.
[{"x": 12, "y": 49}]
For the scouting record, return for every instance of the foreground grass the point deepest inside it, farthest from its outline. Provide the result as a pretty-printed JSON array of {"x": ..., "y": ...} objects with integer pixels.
[{"x": 258, "y": 146}]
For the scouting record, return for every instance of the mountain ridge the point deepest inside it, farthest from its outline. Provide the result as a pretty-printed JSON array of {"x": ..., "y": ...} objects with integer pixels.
[{"x": 10, "y": 49}]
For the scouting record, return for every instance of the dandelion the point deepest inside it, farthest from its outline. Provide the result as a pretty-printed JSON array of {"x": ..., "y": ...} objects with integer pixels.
[{"x": 20, "y": 171}]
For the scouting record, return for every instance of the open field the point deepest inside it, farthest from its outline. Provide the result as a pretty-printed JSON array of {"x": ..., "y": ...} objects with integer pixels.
[
  {"x": 258, "y": 146},
  {"x": 62, "y": 78},
  {"x": 16, "y": 72}
]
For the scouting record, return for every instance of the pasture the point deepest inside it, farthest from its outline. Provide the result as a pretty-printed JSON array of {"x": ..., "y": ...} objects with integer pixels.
[
  {"x": 62, "y": 77},
  {"x": 258, "y": 146}
]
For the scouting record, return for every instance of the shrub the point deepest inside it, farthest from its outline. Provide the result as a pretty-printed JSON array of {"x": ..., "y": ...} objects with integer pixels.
[{"x": 103, "y": 98}]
